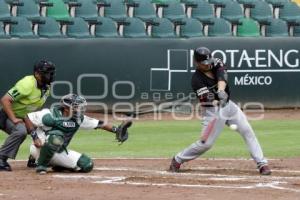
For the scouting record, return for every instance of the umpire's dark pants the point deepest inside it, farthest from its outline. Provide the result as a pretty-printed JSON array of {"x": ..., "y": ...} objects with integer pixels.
[{"x": 17, "y": 134}]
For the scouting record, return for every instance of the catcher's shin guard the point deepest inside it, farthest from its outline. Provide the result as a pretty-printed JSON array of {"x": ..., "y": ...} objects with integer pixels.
[
  {"x": 85, "y": 163},
  {"x": 54, "y": 143}
]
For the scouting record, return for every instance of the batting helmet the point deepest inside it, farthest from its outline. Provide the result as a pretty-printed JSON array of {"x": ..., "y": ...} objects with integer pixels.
[
  {"x": 47, "y": 71},
  {"x": 77, "y": 104},
  {"x": 203, "y": 56}
]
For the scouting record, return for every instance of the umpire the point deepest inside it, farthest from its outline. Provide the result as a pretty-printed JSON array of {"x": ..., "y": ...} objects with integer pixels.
[{"x": 27, "y": 95}]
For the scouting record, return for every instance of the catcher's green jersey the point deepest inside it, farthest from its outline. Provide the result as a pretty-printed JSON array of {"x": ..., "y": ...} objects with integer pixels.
[
  {"x": 56, "y": 121},
  {"x": 53, "y": 120},
  {"x": 27, "y": 97}
]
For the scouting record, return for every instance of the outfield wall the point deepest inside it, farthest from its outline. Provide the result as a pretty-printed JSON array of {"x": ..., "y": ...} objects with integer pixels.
[{"x": 262, "y": 70}]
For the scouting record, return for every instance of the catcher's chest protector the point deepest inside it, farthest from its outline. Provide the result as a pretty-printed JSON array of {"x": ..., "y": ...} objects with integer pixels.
[{"x": 66, "y": 125}]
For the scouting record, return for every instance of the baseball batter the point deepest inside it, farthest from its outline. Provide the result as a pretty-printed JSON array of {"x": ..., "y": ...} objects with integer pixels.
[
  {"x": 56, "y": 128},
  {"x": 209, "y": 82}
]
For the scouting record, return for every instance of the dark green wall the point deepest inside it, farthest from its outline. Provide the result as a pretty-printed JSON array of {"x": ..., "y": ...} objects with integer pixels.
[{"x": 132, "y": 60}]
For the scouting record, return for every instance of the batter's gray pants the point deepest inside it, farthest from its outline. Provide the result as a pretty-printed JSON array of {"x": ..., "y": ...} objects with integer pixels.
[
  {"x": 214, "y": 120},
  {"x": 17, "y": 134}
]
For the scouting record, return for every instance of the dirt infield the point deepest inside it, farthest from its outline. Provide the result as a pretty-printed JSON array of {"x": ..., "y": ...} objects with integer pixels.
[{"x": 147, "y": 179}]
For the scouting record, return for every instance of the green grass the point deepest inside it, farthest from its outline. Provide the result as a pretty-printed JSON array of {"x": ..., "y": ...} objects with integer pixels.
[{"x": 279, "y": 139}]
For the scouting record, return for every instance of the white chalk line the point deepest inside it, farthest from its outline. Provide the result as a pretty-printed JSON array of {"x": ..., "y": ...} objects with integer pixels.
[
  {"x": 119, "y": 180},
  {"x": 183, "y": 174},
  {"x": 85, "y": 176},
  {"x": 104, "y": 179},
  {"x": 274, "y": 184}
]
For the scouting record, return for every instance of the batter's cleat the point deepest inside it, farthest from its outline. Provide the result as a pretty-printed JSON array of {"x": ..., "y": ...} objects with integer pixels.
[
  {"x": 4, "y": 166},
  {"x": 41, "y": 169},
  {"x": 264, "y": 170},
  {"x": 31, "y": 162},
  {"x": 174, "y": 166}
]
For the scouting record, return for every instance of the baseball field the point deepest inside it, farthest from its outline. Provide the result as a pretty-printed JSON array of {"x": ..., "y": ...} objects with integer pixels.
[{"x": 137, "y": 169}]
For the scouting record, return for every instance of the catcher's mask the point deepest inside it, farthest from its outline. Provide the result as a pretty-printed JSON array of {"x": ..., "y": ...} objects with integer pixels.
[
  {"x": 75, "y": 103},
  {"x": 46, "y": 69},
  {"x": 203, "y": 56}
]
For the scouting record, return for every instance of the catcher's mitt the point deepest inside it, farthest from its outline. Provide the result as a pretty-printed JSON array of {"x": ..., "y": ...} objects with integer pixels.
[{"x": 122, "y": 133}]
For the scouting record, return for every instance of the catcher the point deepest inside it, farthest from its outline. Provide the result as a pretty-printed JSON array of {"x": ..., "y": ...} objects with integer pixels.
[{"x": 52, "y": 130}]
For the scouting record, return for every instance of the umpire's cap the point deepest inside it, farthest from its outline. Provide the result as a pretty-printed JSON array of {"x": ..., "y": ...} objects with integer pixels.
[
  {"x": 203, "y": 56},
  {"x": 44, "y": 66}
]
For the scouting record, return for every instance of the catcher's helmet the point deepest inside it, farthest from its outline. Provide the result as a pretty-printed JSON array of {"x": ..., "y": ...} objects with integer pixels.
[
  {"x": 203, "y": 56},
  {"x": 47, "y": 71},
  {"x": 77, "y": 104}
]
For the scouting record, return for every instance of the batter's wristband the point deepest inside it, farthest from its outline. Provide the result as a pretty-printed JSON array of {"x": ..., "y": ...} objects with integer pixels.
[{"x": 34, "y": 135}]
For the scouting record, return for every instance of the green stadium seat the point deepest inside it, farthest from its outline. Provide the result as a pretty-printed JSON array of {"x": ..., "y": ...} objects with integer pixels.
[
  {"x": 247, "y": 2},
  {"x": 248, "y": 28},
  {"x": 232, "y": 11},
  {"x": 2, "y": 32},
  {"x": 218, "y": 5},
  {"x": 203, "y": 11},
  {"x": 276, "y": 2},
  {"x": 276, "y": 5},
  {"x": 164, "y": 1},
  {"x": 221, "y": 2},
  {"x": 145, "y": 11},
  {"x": 247, "y": 5},
  {"x": 78, "y": 28},
  {"x": 192, "y": 28},
  {"x": 163, "y": 28},
  {"x": 50, "y": 28},
  {"x": 4, "y": 10},
  {"x": 22, "y": 28},
  {"x": 173, "y": 11},
  {"x": 58, "y": 11},
  {"x": 188, "y": 5},
  {"x": 277, "y": 28},
  {"x": 106, "y": 28},
  {"x": 134, "y": 29},
  {"x": 290, "y": 12},
  {"x": 88, "y": 10},
  {"x": 29, "y": 9},
  {"x": 219, "y": 28},
  {"x": 296, "y": 31},
  {"x": 188, "y": 1},
  {"x": 261, "y": 12},
  {"x": 69, "y": 1},
  {"x": 115, "y": 9}
]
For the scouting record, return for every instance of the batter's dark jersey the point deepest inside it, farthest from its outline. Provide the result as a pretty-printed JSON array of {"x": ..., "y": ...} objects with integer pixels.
[{"x": 205, "y": 87}]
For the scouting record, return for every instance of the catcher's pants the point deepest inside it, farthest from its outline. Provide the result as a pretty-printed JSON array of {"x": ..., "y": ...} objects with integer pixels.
[
  {"x": 214, "y": 120},
  {"x": 65, "y": 159}
]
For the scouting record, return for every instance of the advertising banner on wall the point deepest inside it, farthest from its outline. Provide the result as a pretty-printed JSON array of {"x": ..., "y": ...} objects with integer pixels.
[{"x": 136, "y": 71}]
